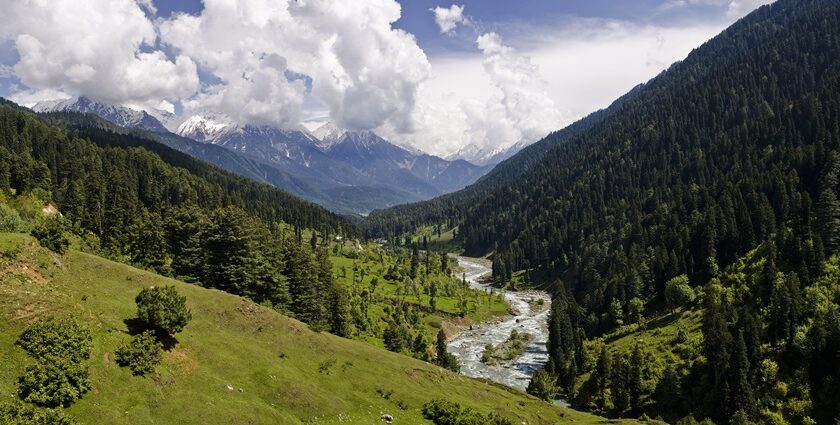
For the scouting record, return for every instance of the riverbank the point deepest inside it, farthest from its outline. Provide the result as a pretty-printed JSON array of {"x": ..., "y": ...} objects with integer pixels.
[{"x": 529, "y": 314}]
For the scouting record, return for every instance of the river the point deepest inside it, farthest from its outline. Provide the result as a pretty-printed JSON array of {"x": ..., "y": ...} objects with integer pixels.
[{"x": 468, "y": 346}]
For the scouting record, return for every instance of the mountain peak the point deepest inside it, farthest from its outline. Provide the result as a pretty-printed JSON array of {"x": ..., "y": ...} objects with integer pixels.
[
  {"x": 119, "y": 115},
  {"x": 328, "y": 135},
  {"x": 205, "y": 128}
]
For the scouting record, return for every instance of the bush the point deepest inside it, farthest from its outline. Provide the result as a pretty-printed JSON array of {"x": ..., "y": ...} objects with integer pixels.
[
  {"x": 141, "y": 355},
  {"x": 53, "y": 383},
  {"x": 543, "y": 385},
  {"x": 17, "y": 413},
  {"x": 163, "y": 309},
  {"x": 443, "y": 412},
  {"x": 678, "y": 293},
  {"x": 50, "y": 234},
  {"x": 10, "y": 220},
  {"x": 62, "y": 339}
]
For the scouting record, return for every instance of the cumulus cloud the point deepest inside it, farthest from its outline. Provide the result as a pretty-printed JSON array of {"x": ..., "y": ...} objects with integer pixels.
[
  {"x": 516, "y": 109},
  {"x": 449, "y": 18},
  {"x": 734, "y": 9},
  {"x": 739, "y": 8},
  {"x": 102, "y": 50},
  {"x": 268, "y": 56}
]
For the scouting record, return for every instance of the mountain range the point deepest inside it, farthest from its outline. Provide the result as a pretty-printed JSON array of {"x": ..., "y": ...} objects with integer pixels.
[{"x": 351, "y": 172}]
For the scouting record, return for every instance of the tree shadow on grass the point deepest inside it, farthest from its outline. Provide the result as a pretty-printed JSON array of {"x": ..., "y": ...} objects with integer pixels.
[{"x": 136, "y": 326}]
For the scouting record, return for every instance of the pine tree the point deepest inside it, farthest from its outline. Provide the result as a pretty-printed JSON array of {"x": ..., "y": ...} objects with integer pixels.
[
  {"x": 444, "y": 358},
  {"x": 147, "y": 247},
  {"x": 415, "y": 261},
  {"x": 742, "y": 394},
  {"x": 635, "y": 379},
  {"x": 668, "y": 392},
  {"x": 602, "y": 375}
]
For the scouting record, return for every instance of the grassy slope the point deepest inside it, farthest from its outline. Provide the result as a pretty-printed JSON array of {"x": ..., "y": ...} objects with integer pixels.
[
  {"x": 672, "y": 338},
  {"x": 281, "y": 371}
]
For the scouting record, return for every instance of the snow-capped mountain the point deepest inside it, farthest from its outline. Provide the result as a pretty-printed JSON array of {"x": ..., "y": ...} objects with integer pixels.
[
  {"x": 168, "y": 119},
  {"x": 205, "y": 128},
  {"x": 263, "y": 142},
  {"x": 484, "y": 156},
  {"x": 327, "y": 135},
  {"x": 119, "y": 115},
  {"x": 348, "y": 171}
]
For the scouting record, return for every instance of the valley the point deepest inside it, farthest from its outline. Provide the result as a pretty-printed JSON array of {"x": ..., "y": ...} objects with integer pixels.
[
  {"x": 530, "y": 315},
  {"x": 393, "y": 212}
]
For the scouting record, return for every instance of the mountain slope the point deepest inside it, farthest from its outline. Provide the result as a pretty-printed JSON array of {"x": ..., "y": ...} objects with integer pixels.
[
  {"x": 85, "y": 166},
  {"x": 121, "y": 116},
  {"x": 238, "y": 361},
  {"x": 734, "y": 150},
  {"x": 358, "y": 171}
]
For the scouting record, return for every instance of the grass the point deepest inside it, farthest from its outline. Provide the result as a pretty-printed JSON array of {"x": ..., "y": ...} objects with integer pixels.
[
  {"x": 670, "y": 339},
  {"x": 372, "y": 263},
  {"x": 235, "y": 363},
  {"x": 445, "y": 242}
]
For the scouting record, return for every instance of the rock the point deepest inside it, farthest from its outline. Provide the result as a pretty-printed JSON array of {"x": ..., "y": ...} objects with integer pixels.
[
  {"x": 230, "y": 387},
  {"x": 387, "y": 418}
]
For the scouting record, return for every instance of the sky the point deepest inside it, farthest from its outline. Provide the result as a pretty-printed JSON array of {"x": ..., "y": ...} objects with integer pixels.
[{"x": 435, "y": 75}]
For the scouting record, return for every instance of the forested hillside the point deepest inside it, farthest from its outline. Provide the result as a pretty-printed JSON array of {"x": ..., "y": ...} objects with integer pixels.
[
  {"x": 102, "y": 179},
  {"x": 734, "y": 148},
  {"x": 451, "y": 208},
  {"x": 136, "y": 201}
]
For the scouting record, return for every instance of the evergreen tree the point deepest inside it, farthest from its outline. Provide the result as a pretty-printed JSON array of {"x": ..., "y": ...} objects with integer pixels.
[
  {"x": 444, "y": 358},
  {"x": 147, "y": 244},
  {"x": 742, "y": 394}
]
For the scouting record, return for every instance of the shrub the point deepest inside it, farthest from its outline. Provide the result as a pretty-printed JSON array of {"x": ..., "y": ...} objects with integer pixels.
[
  {"x": 543, "y": 385},
  {"x": 10, "y": 220},
  {"x": 163, "y": 309},
  {"x": 678, "y": 292},
  {"x": 57, "y": 339},
  {"x": 17, "y": 413},
  {"x": 50, "y": 234},
  {"x": 53, "y": 383},
  {"x": 141, "y": 355},
  {"x": 443, "y": 412}
]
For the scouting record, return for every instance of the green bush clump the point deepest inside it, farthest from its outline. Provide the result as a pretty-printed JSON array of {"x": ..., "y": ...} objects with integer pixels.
[
  {"x": 163, "y": 309},
  {"x": 10, "y": 220},
  {"x": 443, "y": 412},
  {"x": 17, "y": 413},
  {"x": 141, "y": 355},
  {"x": 59, "y": 377},
  {"x": 543, "y": 385},
  {"x": 51, "y": 235},
  {"x": 57, "y": 339},
  {"x": 54, "y": 383}
]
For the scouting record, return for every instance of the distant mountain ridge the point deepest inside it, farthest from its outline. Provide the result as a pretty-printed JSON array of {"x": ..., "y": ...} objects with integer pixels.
[
  {"x": 346, "y": 171},
  {"x": 119, "y": 115}
]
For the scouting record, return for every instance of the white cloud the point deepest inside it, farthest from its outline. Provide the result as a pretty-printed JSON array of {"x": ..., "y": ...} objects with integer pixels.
[
  {"x": 449, "y": 18},
  {"x": 366, "y": 72},
  {"x": 735, "y": 9},
  {"x": 29, "y": 98},
  {"x": 739, "y": 8},
  {"x": 102, "y": 49},
  {"x": 504, "y": 95},
  {"x": 282, "y": 62},
  {"x": 511, "y": 105}
]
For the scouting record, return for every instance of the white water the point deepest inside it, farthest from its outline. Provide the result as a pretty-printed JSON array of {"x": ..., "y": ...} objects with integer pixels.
[{"x": 468, "y": 346}]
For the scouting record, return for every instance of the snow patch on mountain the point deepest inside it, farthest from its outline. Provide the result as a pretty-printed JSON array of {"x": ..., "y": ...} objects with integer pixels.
[{"x": 119, "y": 115}]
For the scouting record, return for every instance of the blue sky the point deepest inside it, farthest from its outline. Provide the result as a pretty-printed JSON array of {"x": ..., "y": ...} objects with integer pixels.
[{"x": 486, "y": 73}]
